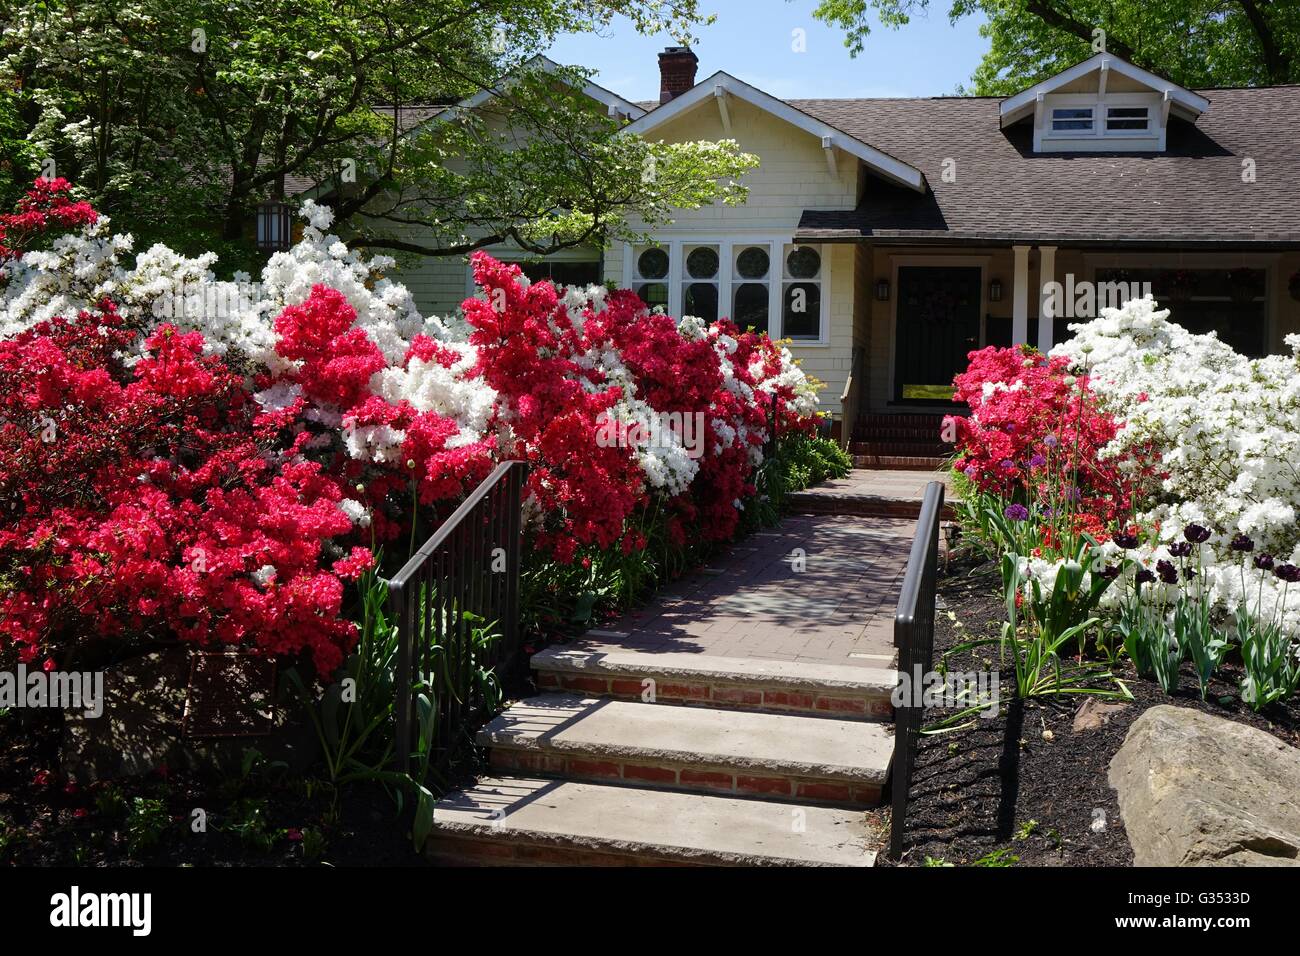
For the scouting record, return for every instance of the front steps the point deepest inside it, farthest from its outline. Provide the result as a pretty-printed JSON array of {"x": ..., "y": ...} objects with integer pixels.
[
  {"x": 523, "y": 821},
  {"x": 693, "y": 748},
  {"x": 734, "y": 682},
  {"x": 675, "y": 758},
  {"x": 899, "y": 440}
]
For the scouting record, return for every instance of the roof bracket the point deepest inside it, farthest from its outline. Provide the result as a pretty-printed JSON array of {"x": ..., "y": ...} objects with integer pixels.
[
  {"x": 720, "y": 94},
  {"x": 828, "y": 146}
]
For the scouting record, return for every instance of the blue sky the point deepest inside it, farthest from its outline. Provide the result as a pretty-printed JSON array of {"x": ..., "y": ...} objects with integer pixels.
[{"x": 752, "y": 39}]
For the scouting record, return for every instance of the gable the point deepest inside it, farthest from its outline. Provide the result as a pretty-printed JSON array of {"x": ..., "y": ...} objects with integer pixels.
[{"x": 721, "y": 89}]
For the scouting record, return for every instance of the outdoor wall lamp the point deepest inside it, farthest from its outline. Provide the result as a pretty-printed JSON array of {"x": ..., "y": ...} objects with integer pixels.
[
  {"x": 995, "y": 290},
  {"x": 882, "y": 290}
]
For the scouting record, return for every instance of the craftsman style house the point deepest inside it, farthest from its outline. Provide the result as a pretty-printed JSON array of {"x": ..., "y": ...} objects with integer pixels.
[{"x": 889, "y": 237}]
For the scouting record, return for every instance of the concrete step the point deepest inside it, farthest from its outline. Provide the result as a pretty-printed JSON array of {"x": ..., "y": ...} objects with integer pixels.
[
  {"x": 521, "y": 821},
  {"x": 843, "y": 762},
  {"x": 838, "y": 690}
]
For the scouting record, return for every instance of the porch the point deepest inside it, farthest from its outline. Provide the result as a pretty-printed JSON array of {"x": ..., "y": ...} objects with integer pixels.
[{"x": 925, "y": 307}]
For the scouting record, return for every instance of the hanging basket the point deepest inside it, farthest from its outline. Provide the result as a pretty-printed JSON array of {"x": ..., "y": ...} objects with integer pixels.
[{"x": 1245, "y": 284}]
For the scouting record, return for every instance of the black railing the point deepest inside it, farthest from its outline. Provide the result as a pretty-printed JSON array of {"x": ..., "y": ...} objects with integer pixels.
[
  {"x": 914, "y": 638},
  {"x": 469, "y": 566}
]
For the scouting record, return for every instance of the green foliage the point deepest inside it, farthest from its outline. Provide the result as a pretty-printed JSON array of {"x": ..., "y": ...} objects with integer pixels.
[
  {"x": 145, "y": 824},
  {"x": 178, "y": 117},
  {"x": 998, "y": 858},
  {"x": 1268, "y": 657},
  {"x": 247, "y": 819},
  {"x": 1196, "y": 43}
]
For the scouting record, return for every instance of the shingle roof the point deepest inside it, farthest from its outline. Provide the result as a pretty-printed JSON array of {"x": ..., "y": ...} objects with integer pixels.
[{"x": 1193, "y": 193}]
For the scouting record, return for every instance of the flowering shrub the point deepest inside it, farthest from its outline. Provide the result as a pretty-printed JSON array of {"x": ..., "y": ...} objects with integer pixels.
[
  {"x": 1183, "y": 469},
  {"x": 224, "y": 454}
]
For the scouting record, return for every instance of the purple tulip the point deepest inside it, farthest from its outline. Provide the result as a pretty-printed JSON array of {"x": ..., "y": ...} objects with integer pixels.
[
  {"x": 1126, "y": 540},
  {"x": 1180, "y": 549},
  {"x": 1264, "y": 562},
  {"x": 1145, "y": 576},
  {"x": 1196, "y": 534},
  {"x": 1242, "y": 542},
  {"x": 1168, "y": 573},
  {"x": 1288, "y": 573}
]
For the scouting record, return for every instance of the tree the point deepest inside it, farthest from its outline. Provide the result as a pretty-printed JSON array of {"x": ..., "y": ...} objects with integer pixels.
[
  {"x": 1195, "y": 43},
  {"x": 182, "y": 115}
]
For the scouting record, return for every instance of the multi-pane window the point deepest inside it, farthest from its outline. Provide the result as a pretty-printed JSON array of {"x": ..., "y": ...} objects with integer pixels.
[
  {"x": 651, "y": 272},
  {"x": 801, "y": 293},
  {"x": 1072, "y": 119},
  {"x": 700, "y": 282},
  {"x": 751, "y": 277},
  {"x": 274, "y": 231},
  {"x": 761, "y": 284}
]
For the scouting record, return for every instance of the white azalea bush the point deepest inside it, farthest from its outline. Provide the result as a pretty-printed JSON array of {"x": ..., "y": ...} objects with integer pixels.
[{"x": 1225, "y": 432}]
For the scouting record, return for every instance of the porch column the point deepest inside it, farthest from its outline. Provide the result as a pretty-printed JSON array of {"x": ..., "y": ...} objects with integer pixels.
[
  {"x": 1046, "y": 274},
  {"x": 1020, "y": 297}
]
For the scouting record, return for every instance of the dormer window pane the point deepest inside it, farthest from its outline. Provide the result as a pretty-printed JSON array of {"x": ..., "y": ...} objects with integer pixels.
[
  {"x": 1072, "y": 118},
  {"x": 1126, "y": 118}
]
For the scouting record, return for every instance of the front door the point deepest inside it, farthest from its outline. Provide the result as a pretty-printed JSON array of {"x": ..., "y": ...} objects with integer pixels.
[{"x": 938, "y": 324}]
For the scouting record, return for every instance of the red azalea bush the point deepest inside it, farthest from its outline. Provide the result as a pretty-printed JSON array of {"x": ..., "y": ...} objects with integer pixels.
[
  {"x": 152, "y": 490},
  {"x": 139, "y": 501},
  {"x": 1035, "y": 432}
]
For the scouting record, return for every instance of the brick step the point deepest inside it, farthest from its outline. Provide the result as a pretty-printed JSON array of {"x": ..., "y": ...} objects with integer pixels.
[
  {"x": 898, "y": 462},
  {"x": 841, "y": 762},
  {"x": 901, "y": 420},
  {"x": 924, "y": 449},
  {"x": 521, "y": 821},
  {"x": 800, "y": 687}
]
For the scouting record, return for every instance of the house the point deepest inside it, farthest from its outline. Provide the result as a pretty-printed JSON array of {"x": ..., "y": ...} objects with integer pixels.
[{"x": 889, "y": 237}]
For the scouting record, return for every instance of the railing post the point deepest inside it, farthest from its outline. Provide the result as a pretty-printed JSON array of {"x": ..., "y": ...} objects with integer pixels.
[
  {"x": 514, "y": 556},
  {"x": 914, "y": 638},
  {"x": 399, "y": 612}
]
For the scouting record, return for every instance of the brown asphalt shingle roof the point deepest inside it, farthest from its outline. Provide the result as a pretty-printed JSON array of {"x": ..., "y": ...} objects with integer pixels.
[{"x": 1002, "y": 191}]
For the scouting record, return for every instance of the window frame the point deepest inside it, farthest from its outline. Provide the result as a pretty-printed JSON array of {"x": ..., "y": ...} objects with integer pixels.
[{"x": 1150, "y": 138}]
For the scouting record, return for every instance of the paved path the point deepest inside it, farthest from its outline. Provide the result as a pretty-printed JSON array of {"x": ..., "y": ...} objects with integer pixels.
[{"x": 818, "y": 588}]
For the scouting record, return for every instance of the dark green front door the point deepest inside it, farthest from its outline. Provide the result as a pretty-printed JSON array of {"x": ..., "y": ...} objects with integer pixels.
[{"x": 938, "y": 324}]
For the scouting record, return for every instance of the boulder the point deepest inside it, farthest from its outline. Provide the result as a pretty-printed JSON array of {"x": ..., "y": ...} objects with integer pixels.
[{"x": 1199, "y": 790}]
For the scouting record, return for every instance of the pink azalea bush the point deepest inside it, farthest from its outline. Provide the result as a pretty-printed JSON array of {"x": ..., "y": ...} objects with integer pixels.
[{"x": 214, "y": 460}]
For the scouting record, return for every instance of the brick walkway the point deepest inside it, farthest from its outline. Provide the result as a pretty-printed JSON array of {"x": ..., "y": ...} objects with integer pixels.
[{"x": 818, "y": 588}]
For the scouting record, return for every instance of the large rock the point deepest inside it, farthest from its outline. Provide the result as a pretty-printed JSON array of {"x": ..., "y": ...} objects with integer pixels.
[{"x": 1198, "y": 790}]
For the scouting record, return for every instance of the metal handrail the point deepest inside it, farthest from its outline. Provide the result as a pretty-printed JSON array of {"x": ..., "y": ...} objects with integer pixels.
[
  {"x": 914, "y": 638},
  {"x": 452, "y": 573}
]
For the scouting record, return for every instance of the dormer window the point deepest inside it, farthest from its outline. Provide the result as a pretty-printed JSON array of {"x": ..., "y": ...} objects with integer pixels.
[{"x": 1104, "y": 104}]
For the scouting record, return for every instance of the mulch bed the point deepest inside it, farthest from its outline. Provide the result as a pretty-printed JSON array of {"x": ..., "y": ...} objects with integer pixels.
[
  {"x": 1023, "y": 788},
  {"x": 44, "y": 822}
]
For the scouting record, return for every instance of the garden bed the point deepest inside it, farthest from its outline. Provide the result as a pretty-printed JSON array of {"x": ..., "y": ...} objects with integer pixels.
[
  {"x": 262, "y": 818},
  {"x": 1024, "y": 788}
]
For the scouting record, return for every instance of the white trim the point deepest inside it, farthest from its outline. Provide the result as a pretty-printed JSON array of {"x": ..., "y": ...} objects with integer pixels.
[
  {"x": 1046, "y": 320},
  {"x": 881, "y": 163},
  {"x": 1020, "y": 295},
  {"x": 1015, "y": 108}
]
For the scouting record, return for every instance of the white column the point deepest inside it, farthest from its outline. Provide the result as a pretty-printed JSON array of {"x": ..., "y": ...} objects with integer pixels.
[
  {"x": 1020, "y": 297},
  {"x": 1046, "y": 274}
]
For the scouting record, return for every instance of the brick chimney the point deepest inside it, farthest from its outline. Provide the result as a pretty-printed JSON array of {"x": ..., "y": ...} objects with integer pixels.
[{"x": 676, "y": 71}]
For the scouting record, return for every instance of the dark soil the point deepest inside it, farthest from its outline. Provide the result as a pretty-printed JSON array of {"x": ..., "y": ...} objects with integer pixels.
[
  {"x": 265, "y": 819},
  {"x": 1023, "y": 787}
]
